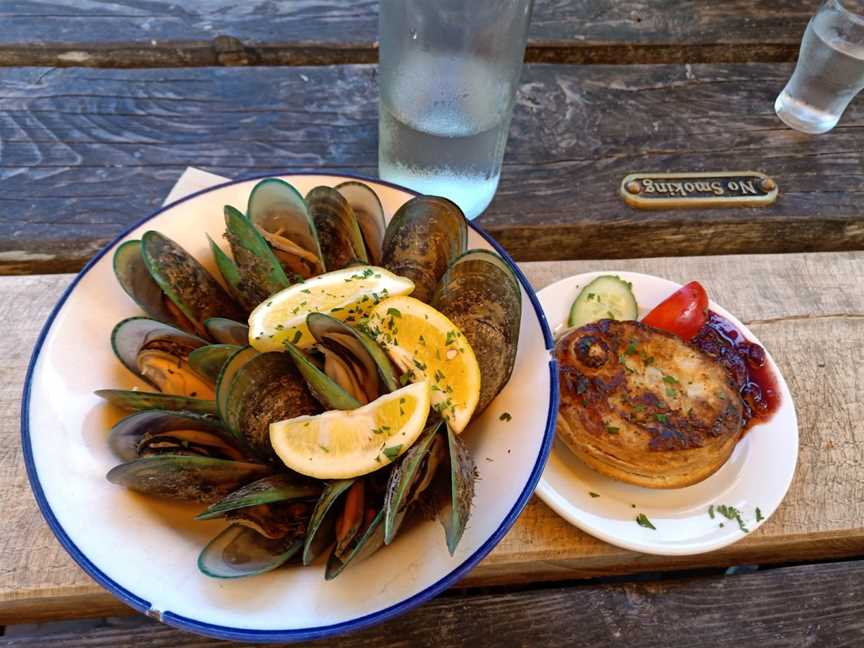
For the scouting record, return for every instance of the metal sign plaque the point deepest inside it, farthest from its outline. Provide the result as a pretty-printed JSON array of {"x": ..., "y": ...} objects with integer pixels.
[{"x": 688, "y": 190}]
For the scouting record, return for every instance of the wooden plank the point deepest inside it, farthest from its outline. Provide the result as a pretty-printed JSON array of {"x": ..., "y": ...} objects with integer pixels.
[
  {"x": 87, "y": 152},
  {"x": 813, "y": 605},
  {"x": 161, "y": 33},
  {"x": 806, "y": 308}
]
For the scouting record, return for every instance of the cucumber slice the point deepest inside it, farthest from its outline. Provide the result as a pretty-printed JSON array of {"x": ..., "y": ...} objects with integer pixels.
[{"x": 607, "y": 297}]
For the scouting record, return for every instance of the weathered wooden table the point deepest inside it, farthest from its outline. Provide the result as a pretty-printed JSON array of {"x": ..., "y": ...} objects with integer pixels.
[{"x": 103, "y": 105}]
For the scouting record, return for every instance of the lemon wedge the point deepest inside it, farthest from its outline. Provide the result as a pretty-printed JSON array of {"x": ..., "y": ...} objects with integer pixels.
[
  {"x": 429, "y": 347},
  {"x": 349, "y": 443},
  {"x": 345, "y": 294}
]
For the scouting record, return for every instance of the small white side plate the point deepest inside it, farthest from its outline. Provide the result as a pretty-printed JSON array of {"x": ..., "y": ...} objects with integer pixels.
[{"x": 757, "y": 475}]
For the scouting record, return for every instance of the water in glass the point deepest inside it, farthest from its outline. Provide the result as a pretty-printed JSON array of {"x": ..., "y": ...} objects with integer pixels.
[
  {"x": 829, "y": 73},
  {"x": 443, "y": 127}
]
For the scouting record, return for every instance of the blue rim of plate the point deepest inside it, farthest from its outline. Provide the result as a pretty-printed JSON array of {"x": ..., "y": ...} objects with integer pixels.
[{"x": 299, "y": 634}]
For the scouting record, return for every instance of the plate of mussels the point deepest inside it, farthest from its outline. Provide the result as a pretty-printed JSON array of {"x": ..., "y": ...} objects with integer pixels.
[{"x": 283, "y": 408}]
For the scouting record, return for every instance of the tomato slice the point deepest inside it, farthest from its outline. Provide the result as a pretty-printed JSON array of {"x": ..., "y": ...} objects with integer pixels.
[{"x": 682, "y": 313}]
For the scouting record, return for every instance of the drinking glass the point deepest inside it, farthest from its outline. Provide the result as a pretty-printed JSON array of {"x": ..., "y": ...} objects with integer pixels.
[
  {"x": 448, "y": 72},
  {"x": 830, "y": 68}
]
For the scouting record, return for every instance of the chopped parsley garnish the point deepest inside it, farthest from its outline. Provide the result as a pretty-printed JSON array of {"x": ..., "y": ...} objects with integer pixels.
[
  {"x": 611, "y": 429},
  {"x": 631, "y": 348},
  {"x": 711, "y": 511},
  {"x": 306, "y": 290},
  {"x": 672, "y": 380},
  {"x": 732, "y": 513},
  {"x": 592, "y": 296},
  {"x": 392, "y": 452},
  {"x": 438, "y": 375},
  {"x": 643, "y": 521},
  {"x": 419, "y": 365},
  {"x": 671, "y": 393},
  {"x": 759, "y": 516},
  {"x": 394, "y": 312},
  {"x": 324, "y": 448},
  {"x": 296, "y": 338},
  {"x": 592, "y": 493},
  {"x": 662, "y": 418},
  {"x": 505, "y": 416},
  {"x": 381, "y": 430}
]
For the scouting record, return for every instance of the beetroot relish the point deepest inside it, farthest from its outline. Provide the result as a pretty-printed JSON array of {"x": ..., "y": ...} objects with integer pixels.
[{"x": 746, "y": 362}]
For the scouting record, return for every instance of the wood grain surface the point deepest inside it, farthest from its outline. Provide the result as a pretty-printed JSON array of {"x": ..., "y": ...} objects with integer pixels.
[
  {"x": 807, "y": 309},
  {"x": 151, "y": 33},
  {"x": 791, "y": 607},
  {"x": 87, "y": 152}
]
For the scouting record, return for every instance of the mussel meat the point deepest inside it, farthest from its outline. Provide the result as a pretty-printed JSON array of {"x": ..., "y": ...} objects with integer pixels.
[
  {"x": 159, "y": 353},
  {"x": 280, "y": 214},
  {"x": 155, "y": 432}
]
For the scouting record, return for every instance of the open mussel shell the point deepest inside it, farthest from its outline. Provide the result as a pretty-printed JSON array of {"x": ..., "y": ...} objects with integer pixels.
[
  {"x": 134, "y": 277},
  {"x": 207, "y": 361},
  {"x": 338, "y": 231},
  {"x": 463, "y": 472},
  {"x": 158, "y": 353},
  {"x": 261, "y": 274},
  {"x": 264, "y": 389},
  {"x": 324, "y": 388},
  {"x": 241, "y": 551},
  {"x": 481, "y": 295},
  {"x": 410, "y": 478},
  {"x": 152, "y": 432},
  {"x": 226, "y": 331},
  {"x": 280, "y": 214},
  {"x": 425, "y": 235},
  {"x": 362, "y": 546},
  {"x": 185, "y": 282},
  {"x": 267, "y": 490},
  {"x": 134, "y": 400},
  {"x": 319, "y": 534},
  {"x": 366, "y": 369},
  {"x": 184, "y": 477},
  {"x": 369, "y": 214}
]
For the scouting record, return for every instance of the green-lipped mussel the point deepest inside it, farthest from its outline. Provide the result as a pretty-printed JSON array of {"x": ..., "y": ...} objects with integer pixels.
[
  {"x": 426, "y": 234},
  {"x": 204, "y": 435}
]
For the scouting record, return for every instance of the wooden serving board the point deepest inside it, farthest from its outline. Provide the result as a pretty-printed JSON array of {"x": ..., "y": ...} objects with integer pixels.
[{"x": 808, "y": 309}]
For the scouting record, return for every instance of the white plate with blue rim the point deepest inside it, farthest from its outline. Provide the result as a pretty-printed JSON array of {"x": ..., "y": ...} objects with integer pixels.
[
  {"x": 144, "y": 550},
  {"x": 690, "y": 520}
]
